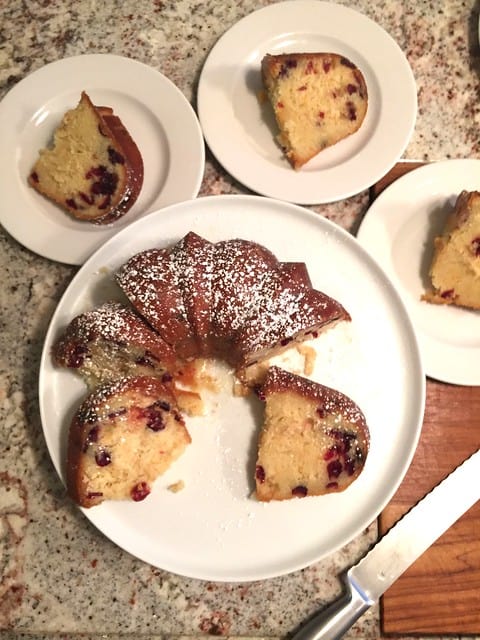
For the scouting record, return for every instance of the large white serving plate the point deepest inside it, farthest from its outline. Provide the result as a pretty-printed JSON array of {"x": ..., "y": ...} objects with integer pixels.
[
  {"x": 240, "y": 129},
  {"x": 398, "y": 231},
  {"x": 155, "y": 112},
  {"x": 214, "y": 529}
]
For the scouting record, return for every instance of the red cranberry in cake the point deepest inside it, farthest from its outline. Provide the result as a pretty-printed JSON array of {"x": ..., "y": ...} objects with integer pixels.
[
  {"x": 318, "y": 99},
  {"x": 94, "y": 170},
  {"x": 304, "y": 451},
  {"x": 124, "y": 435}
]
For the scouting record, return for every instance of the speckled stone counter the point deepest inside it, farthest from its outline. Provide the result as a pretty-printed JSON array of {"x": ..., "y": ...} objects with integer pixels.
[{"x": 58, "y": 574}]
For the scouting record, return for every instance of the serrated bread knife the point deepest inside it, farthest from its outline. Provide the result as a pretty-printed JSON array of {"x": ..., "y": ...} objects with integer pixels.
[{"x": 397, "y": 550}]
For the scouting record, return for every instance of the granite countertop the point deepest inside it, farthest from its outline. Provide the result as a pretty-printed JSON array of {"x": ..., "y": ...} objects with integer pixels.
[{"x": 59, "y": 575}]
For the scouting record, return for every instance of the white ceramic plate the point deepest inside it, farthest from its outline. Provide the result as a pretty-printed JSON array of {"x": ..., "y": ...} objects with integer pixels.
[
  {"x": 398, "y": 232},
  {"x": 240, "y": 130},
  {"x": 213, "y": 529},
  {"x": 153, "y": 109}
]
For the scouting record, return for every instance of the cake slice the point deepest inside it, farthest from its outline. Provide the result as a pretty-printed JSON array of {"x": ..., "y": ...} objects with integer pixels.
[
  {"x": 318, "y": 99},
  {"x": 151, "y": 282},
  {"x": 314, "y": 439},
  {"x": 124, "y": 435},
  {"x": 94, "y": 170},
  {"x": 112, "y": 341},
  {"x": 455, "y": 266}
]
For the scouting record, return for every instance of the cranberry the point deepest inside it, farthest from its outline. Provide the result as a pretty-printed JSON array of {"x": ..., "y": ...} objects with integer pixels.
[
  {"x": 302, "y": 88},
  {"x": 86, "y": 198},
  {"x": 140, "y": 491},
  {"x": 334, "y": 469},
  {"x": 92, "y": 436},
  {"x": 106, "y": 182},
  {"x": 300, "y": 491},
  {"x": 103, "y": 458},
  {"x": 476, "y": 247},
  {"x": 309, "y": 68},
  {"x": 347, "y": 63},
  {"x": 94, "y": 494},
  {"x": 115, "y": 157},
  {"x": 285, "y": 341},
  {"x": 34, "y": 176},
  {"x": 331, "y": 452},
  {"x": 143, "y": 361},
  {"x": 154, "y": 419},
  {"x": 70, "y": 202},
  {"x": 167, "y": 377},
  {"x": 260, "y": 473},
  {"x": 448, "y": 294},
  {"x": 351, "y": 111},
  {"x": 351, "y": 88},
  {"x": 118, "y": 412},
  {"x": 332, "y": 485},
  {"x": 321, "y": 115},
  {"x": 320, "y": 411},
  {"x": 76, "y": 356},
  {"x": 285, "y": 68},
  {"x": 327, "y": 65},
  {"x": 349, "y": 466}
]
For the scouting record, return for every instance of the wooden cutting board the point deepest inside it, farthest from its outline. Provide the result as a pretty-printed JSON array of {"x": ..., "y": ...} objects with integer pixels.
[{"x": 440, "y": 593}]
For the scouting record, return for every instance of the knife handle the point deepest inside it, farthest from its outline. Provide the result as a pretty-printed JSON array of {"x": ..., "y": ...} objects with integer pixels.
[{"x": 334, "y": 621}]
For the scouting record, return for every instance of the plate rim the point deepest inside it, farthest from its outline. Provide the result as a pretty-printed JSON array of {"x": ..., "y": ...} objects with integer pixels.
[
  {"x": 83, "y": 240},
  {"x": 305, "y": 189},
  {"x": 432, "y": 173},
  {"x": 414, "y": 356}
]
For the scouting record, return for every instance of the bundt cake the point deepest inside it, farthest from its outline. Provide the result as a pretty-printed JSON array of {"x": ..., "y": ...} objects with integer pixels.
[
  {"x": 94, "y": 170},
  {"x": 248, "y": 305},
  {"x": 124, "y": 435},
  {"x": 231, "y": 300},
  {"x": 112, "y": 341},
  {"x": 318, "y": 99},
  {"x": 314, "y": 439},
  {"x": 455, "y": 267}
]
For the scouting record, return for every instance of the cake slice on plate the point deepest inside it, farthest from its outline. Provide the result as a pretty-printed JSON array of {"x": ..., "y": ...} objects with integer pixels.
[
  {"x": 314, "y": 439},
  {"x": 318, "y": 99},
  {"x": 455, "y": 267}
]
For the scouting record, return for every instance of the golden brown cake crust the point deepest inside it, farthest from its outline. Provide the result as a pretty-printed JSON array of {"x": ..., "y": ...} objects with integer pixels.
[
  {"x": 314, "y": 439},
  {"x": 455, "y": 266},
  {"x": 318, "y": 99},
  {"x": 94, "y": 171}
]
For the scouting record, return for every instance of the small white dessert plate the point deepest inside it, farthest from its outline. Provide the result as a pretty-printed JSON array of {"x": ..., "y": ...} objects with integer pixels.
[
  {"x": 214, "y": 529},
  {"x": 154, "y": 111},
  {"x": 398, "y": 231},
  {"x": 240, "y": 130}
]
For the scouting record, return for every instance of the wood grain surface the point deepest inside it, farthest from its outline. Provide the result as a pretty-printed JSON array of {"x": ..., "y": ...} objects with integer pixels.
[{"x": 440, "y": 593}]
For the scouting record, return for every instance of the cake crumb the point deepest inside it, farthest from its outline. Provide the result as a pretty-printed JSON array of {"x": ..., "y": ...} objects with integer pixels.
[
  {"x": 309, "y": 354},
  {"x": 175, "y": 487}
]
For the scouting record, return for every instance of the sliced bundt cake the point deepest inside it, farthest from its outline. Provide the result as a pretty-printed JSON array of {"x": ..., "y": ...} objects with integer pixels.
[
  {"x": 231, "y": 300},
  {"x": 94, "y": 170},
  {"x": 314, "y": 439},
  {"x": 455, "y": 267},
  {"x": 318, "y": 99},
  {"x": 124, "y": 435}
]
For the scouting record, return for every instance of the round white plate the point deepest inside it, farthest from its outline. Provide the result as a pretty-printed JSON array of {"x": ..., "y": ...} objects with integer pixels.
[
  {"x": 214, "y": 529},
  {"x": 240, "y": 129},
  {"x": 398, "y": 231},
  {"x": 154, "y": 111}
]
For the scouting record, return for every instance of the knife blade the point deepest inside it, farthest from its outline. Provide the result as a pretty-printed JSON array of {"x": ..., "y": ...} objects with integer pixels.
[{"x": 396, "y": 550}]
